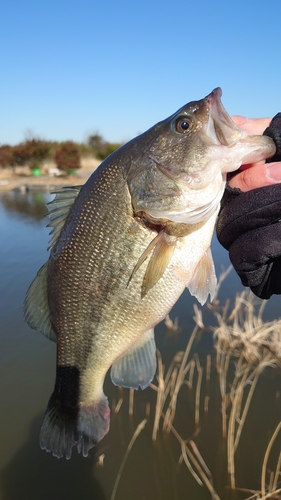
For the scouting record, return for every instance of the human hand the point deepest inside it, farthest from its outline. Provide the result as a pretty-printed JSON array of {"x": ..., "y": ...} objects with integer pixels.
[
  {"x": 260, "y": 174},
  {"x": 249, "y": 225}
]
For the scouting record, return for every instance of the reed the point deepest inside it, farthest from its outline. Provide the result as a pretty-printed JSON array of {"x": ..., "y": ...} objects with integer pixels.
[
  {"x": 138, "y": 430},
  {"x": 118, "y": 406},
  {"x": 202, "y": 470},
  {"x": 160, "y": 401},
  {"x": 243, "y": 342},
  {"x": 208, "y": 367},
  {"x": 131, "y": 402},
  {"x": 198, "y": 391},
  {"x": 264, "y": 465},
  {"x": 245, "y": 346},
  {"x": 269, "y": 489},
  {"x": 169, "y": 385},
  {"x": 182, "y": 370},
  {"x": 277, "y": 473},
  {"x": 256, "y": 346}
]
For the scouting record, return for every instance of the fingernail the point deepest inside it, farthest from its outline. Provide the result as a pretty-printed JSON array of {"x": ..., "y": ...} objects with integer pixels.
[{"x": 273, "y": 171}]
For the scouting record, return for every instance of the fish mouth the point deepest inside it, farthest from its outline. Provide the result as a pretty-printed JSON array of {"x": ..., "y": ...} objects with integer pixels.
[{"x": 221, "y": 127}]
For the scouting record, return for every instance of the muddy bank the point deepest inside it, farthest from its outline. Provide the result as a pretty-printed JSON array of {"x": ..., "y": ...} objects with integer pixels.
[{"x": 23, "y": 180}]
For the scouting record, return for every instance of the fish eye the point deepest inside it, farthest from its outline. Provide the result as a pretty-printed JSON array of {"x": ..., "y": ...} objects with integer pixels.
[{"x": 183, "y": 125}]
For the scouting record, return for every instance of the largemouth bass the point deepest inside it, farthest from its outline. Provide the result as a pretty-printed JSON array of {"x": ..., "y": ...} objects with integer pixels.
[{"x": 124, "y": 247}]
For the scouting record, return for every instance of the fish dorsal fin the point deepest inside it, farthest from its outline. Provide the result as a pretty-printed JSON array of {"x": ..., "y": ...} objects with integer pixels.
[
  {"x": 59, "y": 208},
  {"x": 36, "y": 308},
  {"x": 204, "y": 279},
  {"x": 163, "y": 246},
  {"x": 137, "y": 366}
]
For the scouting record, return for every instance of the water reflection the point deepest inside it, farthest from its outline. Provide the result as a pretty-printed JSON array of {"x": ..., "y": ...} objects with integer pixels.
[
  {"x": 34, "y": 475},
  {"x": 25, "y": 204},
  {"x": 152, "y": 469}
]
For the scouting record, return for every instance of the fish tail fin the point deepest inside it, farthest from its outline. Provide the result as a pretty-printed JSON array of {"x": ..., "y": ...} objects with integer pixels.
[
  {"x": 65, "y": 428},
  {"x": 93, "y": 424}
]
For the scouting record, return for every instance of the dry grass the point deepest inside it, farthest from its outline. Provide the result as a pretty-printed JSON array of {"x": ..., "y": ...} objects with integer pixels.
[
  {"x": 243, "y": 340},
  {"x": 254, "y": 345},
  {"x": 138, "y": 430},
  {"x": 245, "y": 347},
  {"x": 169, "y": 385}
]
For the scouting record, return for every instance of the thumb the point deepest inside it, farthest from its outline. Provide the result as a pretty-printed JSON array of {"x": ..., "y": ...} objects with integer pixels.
[{"x": 258, "y": 176}]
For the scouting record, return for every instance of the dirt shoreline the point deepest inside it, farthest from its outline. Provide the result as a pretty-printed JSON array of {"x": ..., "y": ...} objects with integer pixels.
[{"x": 24, "y": 181}]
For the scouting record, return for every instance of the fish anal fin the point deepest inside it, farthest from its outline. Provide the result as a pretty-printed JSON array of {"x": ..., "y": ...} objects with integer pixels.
[
  {"x": 204, "y": 279},
  {"x": 159, "y": 261},
  {"x": 137, "y": 366},
  {"x": 36, "y": 307},
  {"x": 58, "y": 210}
]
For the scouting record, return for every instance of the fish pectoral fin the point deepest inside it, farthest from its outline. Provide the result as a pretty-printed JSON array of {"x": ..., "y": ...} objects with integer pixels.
[
  {"x": 58, "y": 210},
  {"x": 137, "y": 366},
  {"x": 158, "y": 262},
  {"x": 36, "y": 307},
  {"x": 145, "y": 254},
  {"x": 163, "y": 246},
  {"x": 204, "y": 279}
]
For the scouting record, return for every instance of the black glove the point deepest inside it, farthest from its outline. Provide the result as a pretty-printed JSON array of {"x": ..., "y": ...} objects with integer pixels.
[
  {"x": 274, "y": 131},
  {"x": 249, "y": 226}
]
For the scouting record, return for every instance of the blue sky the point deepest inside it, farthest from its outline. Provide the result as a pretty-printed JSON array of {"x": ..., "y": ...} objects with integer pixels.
[{"x": 76, "y": 67}]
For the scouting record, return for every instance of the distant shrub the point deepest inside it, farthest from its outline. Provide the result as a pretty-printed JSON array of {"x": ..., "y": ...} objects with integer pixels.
[
  {"x": 30, "y": 152},
  {"x": 6, "y": 155},
  {"x": 101, "y": 148},
  {"x": 111, "y": 147},
  {"x": 98, "y": 144},
  {"x": 66, "y": 154},
  {"x": 67, "y": 157}
]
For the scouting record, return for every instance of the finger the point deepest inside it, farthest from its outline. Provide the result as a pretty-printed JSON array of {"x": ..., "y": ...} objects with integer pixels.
[
  {"x": 254, "y": 126},
  {"x": 258, "y": 176}
]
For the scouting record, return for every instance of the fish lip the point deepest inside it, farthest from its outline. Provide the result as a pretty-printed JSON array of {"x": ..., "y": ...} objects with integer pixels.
[
  {"x": 227, "y": 132},
  {"x": 214, "y": 96},
  {"x": 215, "y": 106}
]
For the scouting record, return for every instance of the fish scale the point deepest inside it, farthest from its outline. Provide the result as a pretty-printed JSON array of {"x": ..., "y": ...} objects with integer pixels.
[{"x": 124, "y": 247}]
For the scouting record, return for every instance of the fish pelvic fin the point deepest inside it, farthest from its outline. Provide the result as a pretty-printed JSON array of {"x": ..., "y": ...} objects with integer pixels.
[
  {"x": 36, "y": 307},
  {"x": 137, "y": 366},
  {"x": 58, "y": 210},
  {"x": 64, "y": 429},
  {"x": 204, "y": 281},
  {"x": 162, "y": 248}
]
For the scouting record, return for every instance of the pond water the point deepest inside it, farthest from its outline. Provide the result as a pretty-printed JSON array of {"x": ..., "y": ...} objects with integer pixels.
[{"x": 152, "y": 470}]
